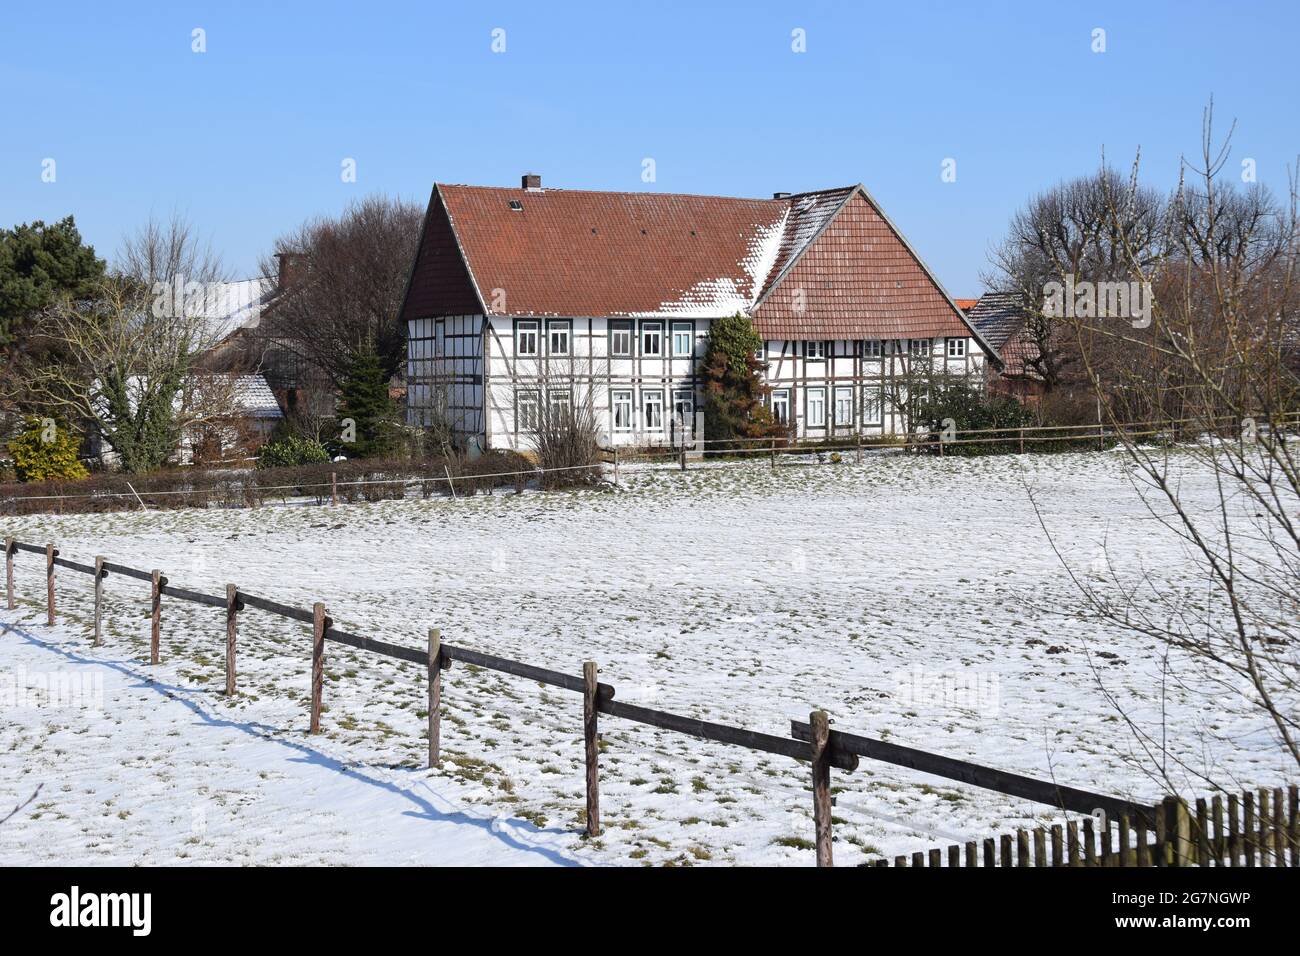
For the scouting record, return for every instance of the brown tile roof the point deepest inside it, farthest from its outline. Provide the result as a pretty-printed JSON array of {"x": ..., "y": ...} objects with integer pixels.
[
  {"x": 823, "y": 264},
  {"x": 579, "y": 253},
  {"x": 857, "y": 279},
  {"x": 1000, "y": 318},
  {"x": 997, "y": 316}
]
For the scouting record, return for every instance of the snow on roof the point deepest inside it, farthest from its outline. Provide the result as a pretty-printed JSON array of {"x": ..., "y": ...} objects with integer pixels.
[
  {"x": 254, "y": 397},
  {"x": 235, "y": 305}
]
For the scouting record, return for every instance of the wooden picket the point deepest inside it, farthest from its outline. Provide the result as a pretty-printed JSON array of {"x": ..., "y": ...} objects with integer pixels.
[{"x": 1173, "y": 833}]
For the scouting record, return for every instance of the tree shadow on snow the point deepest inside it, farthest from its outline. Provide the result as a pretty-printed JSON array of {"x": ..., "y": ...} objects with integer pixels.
[{"x": 499, "y": 829}]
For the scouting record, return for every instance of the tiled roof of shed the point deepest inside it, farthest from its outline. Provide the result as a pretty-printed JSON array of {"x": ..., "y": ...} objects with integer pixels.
[{"x": 997, "y": 316}]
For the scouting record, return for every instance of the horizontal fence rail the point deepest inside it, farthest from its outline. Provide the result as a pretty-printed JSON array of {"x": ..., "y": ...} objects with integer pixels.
[
  {"x": 1012, "y": 784},
  {"x": 812, "y": 742}
]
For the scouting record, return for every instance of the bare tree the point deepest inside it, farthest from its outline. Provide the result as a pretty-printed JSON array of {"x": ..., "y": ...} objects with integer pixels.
[
  {"x": 121, "y": 356},
  {"x": 1075, "y": 229},
  {"x": 348, "y": 292},
  {"x": 1212, "y": 381}
]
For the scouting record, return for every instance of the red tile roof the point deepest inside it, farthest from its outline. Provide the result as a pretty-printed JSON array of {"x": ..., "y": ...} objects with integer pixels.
[
  {"x": 857, "y": 279},
  {"x": 824, "y": 264},
  {"x": 965, "y": 304}
]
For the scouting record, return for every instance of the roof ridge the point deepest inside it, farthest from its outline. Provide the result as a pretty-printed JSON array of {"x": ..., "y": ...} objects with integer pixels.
[{"x": 628, "y": 192}]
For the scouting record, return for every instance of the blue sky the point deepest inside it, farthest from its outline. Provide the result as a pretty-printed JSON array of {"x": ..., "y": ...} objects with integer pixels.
[{"x": 248, "y": 138}]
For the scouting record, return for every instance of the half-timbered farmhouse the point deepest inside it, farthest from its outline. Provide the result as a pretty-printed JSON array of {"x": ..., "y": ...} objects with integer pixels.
[{"x": 526, "y": 299}]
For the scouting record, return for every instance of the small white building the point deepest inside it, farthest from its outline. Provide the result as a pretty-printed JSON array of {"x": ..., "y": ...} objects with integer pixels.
[{"x": 522, "y": 299}]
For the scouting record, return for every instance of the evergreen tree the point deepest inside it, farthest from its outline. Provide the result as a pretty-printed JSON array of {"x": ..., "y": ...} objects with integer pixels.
[
  {"x": 367, "y": 404},
  {"x": 37, "y": 263},
  {"x": 734, "y": 392}
]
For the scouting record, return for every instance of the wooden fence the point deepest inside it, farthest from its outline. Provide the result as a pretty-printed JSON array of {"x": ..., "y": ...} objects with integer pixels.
[
  {"x": 812, "y": 741},
  {"x": 1259, "y": 829}
]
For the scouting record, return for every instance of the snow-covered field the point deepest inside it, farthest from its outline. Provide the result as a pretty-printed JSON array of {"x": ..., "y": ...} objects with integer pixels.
[{"x": 731, "y": 593}]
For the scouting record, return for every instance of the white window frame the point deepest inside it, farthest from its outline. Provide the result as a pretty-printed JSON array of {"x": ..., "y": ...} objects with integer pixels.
[
  {"x": 873, "y": 348},
  {"x": 683, "y": 329},
  {"x": 956, "y": 348},
  {"x": 919, "y": 347},
  {"x": 532, "y": 397},
  {"x": 563, "y": 397},
  {"x": 524, "y": 332},
  {"x": 561, "y": 327},
  {"x": 625, "y": 398},
  {"x": 657, "y": 330},
  {"x": 617, "y": 330},
  {"x": 781, "y": 401},
  {"x": 843, "y": 391},
  {"x": 646, "y": 404},
  {"x": 873, "y": 405},
  {"x": 686, "y": 396},
  {"x": 814, "y": 350},
  {"x": 809, "y": 419}
]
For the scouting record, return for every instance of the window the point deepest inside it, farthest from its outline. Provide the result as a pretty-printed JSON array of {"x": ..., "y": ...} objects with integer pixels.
[
  {"x": 781, "y": 405},
  {"x": 956, "y": 348},
  {"x": 526, "y": 338},
  {"x": 872, "y": 348},
  {"x": 652, "y": 339},
  {"x": 684, "y": 410},
  {"x": 652, "y": 407},
  {"x": 559, "y": 402},
  {"x": 815, "y": 350},
  {"x": 843, "y": 405},
  {"x": 683, "y": 346},
  {"x": 559, "y": 335},
  {"x": 871, "y": 406},
  {"x": 620, "y": 338},
  {"x": 895, "y": 347},
  {"x": 622, "y": 402},
  {"x": 816, "y": 408},
  {"x": 527, "y": 405},
  {"x": 919, "y": 347}
]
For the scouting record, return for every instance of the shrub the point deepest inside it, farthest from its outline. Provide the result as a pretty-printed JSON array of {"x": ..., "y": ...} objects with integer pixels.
[
  {"x": 567, "y": 445},
  {"x": 970, "y": 409},
  {"x": 291, "y": 452},
  {"x": 46, "y": 451}
]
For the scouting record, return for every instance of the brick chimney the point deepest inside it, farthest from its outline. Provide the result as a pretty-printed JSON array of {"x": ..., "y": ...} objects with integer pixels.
[
  {"x": 293, "y": 265},
  {"x": 532, "y": 182}
]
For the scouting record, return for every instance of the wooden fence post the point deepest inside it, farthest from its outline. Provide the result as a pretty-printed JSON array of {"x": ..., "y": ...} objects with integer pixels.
[
  {"x": 317, "y": 662},
  {"x": 10, "y": 548},
  {"x": 591, "y": 739},
  {"x": 1178, "y": 833},
  {"x": 616, "y": 464},
  {"x": 435, "y": 696},
  {"x": 859, "y": 458},
  {"x": 49, "y": 584},
  {"x": 232, "y": 631},
  {"x": 155, "y": 625},
  {"x": 821, "y": 781},
  {"x": 99, "y": 600},
  {"x": 773, "y": 454},
  {"x": 334, "y": 488}
]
